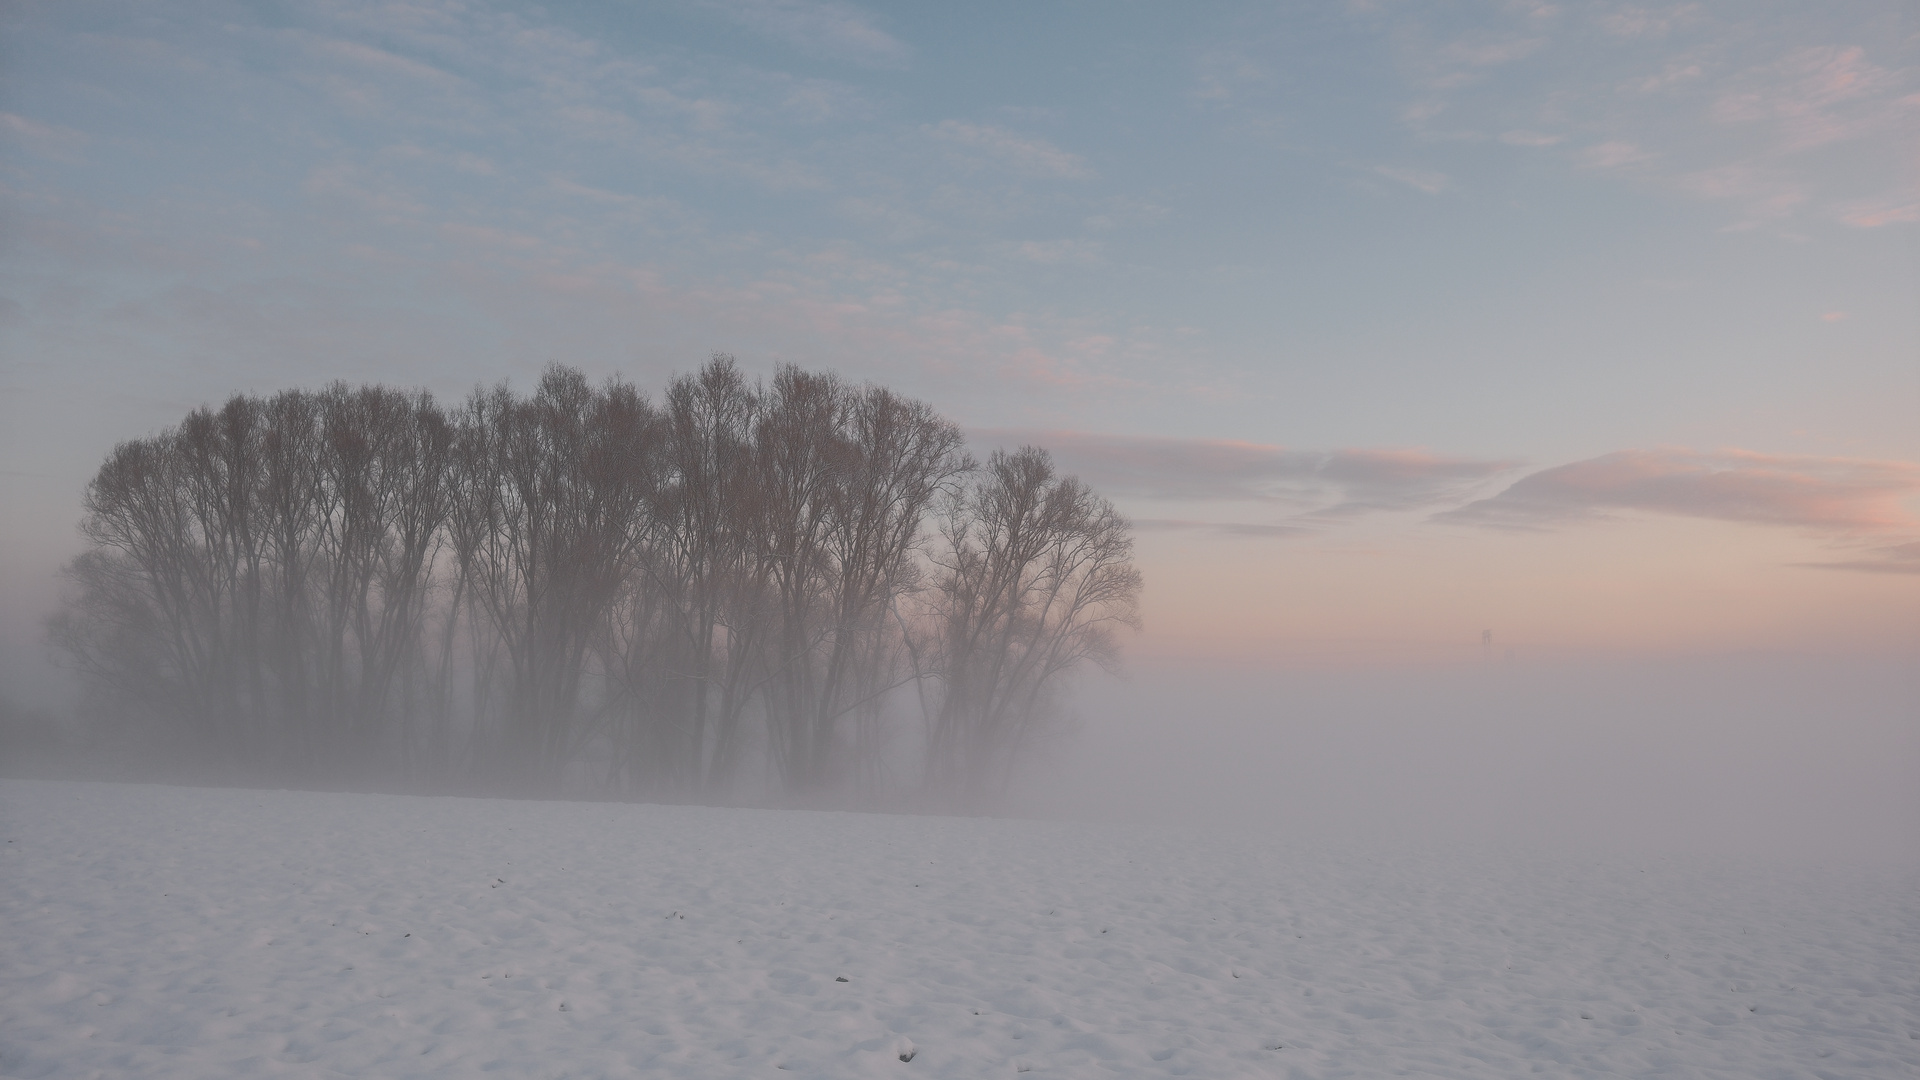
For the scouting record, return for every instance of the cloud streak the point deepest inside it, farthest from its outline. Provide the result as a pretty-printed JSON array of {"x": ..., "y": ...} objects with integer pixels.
[
  {"x": 1426, "y": 180},
  {"x": 1243, "y": 529},
  {"x": 1025, "y": 154},
  {"x": 1808, "y": 120},
  {"x": 1313, "y": 487},
  {"x": 1821, "y": 494},
  {"x": 50, "y": 140},
  {"x": 827, "y": 30},
  {"x": 1893, "y": 559}
]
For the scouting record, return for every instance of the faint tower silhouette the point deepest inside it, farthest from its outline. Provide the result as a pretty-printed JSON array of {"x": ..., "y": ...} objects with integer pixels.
[{"x": 1486, "y": 645}]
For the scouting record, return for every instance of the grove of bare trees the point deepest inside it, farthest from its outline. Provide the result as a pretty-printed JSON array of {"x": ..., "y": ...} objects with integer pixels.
[{"x": 803, "y": 586}]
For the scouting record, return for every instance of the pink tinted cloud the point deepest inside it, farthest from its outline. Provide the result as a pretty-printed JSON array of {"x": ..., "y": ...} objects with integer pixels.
[
  {"x": 1765, "y": 194},
  {"x": 1892, "y": 559},
  {"x": 1873, "y": 215},
  {"x": 1633, "y": 22},
  {"x": 1400, "y": 479},
  {"x": 1253, "y": 530},
  {"x": 1820, "y": 95},
  {"x": 1831, "y": 495},
  {"x": 1323, "y": 484},
  {"x": 1613, "y": 155}
]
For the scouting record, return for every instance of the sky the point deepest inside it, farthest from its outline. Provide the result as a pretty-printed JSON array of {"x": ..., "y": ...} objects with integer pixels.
[{"x": 1593, "y": 325}]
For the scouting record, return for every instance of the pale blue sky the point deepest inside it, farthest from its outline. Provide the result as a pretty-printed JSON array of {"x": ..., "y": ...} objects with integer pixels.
[{"x": 1512, "y": 236}]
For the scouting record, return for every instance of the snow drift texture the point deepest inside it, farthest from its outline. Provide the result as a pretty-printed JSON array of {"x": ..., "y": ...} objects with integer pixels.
[{"x": 174, "y": 932}]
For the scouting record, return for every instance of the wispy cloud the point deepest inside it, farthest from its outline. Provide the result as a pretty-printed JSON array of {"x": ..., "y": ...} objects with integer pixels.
[
  {"x": 1902, "y": 209},
  {"x": 1763, "y": 194},
  {"x": 379, "y": 60},
  {"x": 1245, "y": 529},
  {"x": 1225, "y": 73},
  {"x": 1481, "y": 54},
  {"x": 1821, "y": 494},
  {"x": 1026, "y": 154},
  {"x": 1613, "y": 155},
  {"x": 50, "y": 140},
  {"x": 1392, "y": 479},
  {"x": 1688, "y": 100},
  {"x": 1891, "y": 559},
  {"x": 1467, "y": 59},
  {"x": 1058, "y": 252},
  {"x": 1426, "y": 180},
  {"x": 1634, "y": 21},
  {"x": 1311, "y": 486},
  {"x": 827, "y": 30},
  {"x": 635, "y": 207},
  {"x": 1676, "y": 73},
  {"x": 1814, "y": 96}
]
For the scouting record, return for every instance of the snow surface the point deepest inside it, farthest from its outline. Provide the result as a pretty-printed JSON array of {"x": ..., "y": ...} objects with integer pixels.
[{"x": 183, "y": 932}]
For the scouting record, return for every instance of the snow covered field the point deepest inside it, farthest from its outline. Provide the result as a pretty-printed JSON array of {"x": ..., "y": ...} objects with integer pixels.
[{"x": 197, "y": 933}]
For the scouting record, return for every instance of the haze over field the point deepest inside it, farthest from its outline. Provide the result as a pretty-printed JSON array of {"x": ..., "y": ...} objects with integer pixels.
[{"x": 1593, "y": 327}]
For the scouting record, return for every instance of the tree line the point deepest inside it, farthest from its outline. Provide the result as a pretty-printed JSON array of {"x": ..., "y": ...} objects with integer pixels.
[{"x": 800, "y": 583}]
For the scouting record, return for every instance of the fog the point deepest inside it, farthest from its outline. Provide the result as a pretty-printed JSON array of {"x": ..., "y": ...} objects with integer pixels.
[
  {"x": 1781, "y": 757},
  {"x": 811, "y": 596},
  {"x": 1762, "y": 755}
]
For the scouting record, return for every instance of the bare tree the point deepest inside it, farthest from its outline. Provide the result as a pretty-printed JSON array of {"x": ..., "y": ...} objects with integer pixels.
[
  {"x": 798, "y": 453},
  {"x": 292, "y": 508},
  {"x": 350, "y": 583},
  {"x": 552, "y": 502},
  {"x": 165, "y": 611},
  {"x": 682, "y": 643},
  {"x": 260, "y": 570},
  {"x": 897, "y": 455},
  {"x": 384, "y": 466},
  {"x": 1035, "y": 575}
]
